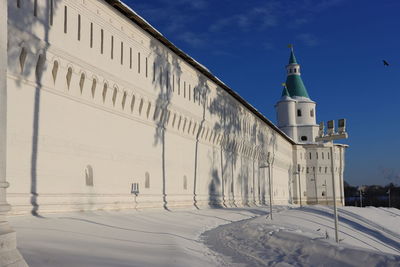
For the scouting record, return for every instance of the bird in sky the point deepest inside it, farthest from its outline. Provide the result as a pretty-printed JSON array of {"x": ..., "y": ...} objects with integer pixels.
[{"x": 385, "y": 63}]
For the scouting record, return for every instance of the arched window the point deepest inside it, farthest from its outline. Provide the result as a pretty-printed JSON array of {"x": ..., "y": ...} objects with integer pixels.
[
  {"x": 39, "y": 67},
  {"x": 123, "y": 100},
  {"x": 104, "y": 94},
  {"x": 114, "y": 97},
  {"x": 69, "y": 76},
  {"x": 312, "y": 113},
  {"x": 140, "y": 106},
  {"x": 55, "y": 71},
  {"x": 82, "y": 82},
  {"x": 184, "y": 182},
  {"x": 147, "y": 180},
  {"x": 94, "y": 84},
  {"x": 89, "y": 175},
  {"x": 22, "y": 58},
  {"x": 299, "y": 113},
  {"x": 132, "y": 103}
]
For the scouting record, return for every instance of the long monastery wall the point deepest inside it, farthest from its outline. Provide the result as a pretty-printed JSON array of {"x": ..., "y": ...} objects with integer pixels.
[{"x": 97, "y": 107}]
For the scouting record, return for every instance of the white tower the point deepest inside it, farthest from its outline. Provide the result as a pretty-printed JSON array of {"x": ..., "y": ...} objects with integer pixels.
[{"x": 295, "y": 110}]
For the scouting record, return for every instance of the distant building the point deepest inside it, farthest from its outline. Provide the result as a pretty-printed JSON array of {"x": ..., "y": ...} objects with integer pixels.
[
  {"x": 98, "y": 110},
  {"x": 296, "y": 115}
]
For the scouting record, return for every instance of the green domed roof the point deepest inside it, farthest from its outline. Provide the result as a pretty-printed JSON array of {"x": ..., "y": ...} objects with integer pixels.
[
  {"x": 285, "y": 92},
  {"x": 295, "y": 86}
]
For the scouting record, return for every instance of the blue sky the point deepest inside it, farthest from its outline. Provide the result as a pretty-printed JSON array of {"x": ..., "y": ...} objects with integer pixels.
[{"x": 340, "y": 45}]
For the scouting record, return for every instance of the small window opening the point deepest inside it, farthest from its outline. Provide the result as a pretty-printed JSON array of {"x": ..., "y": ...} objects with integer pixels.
[
  {"x": 54, "y": 71},
  {"x": 51, "y": 11},
  {"x": 304, "y": 138},
  {"x": 22, "y": 58},
  {"x": 101, "y": 41},
  {"x": 39, "y": 68},
  {"x": 65, "y": 19},
  {"x": 89, "y": 175},
  {"x": 122, "y": 53},
  {"x": 140, "y": 106},
  {"x": 299, "y": 113},
  {"x": 130, "y": 57},
  {"x": 112, "y": 47},
  {"x": 123, "y": 100},
  {"x": 35, "y": 8},
  {"x": 132, "y": 103},
  {"x": 82, "y": 82},
  {"x": 148, "y": 110},
  {"x": 104, "y": 94},
  {"x": 69, "y": 76},
  {"x": 310, "y": 155},
  {"x": 147, "y": 180},
  {"x": 147, "y": 67},
  {"x": 91, "y": 35},
  {"x": 114, "y": 97},
  {"x": 79, "y": 27},
  {"x": 185, "y": 182},
  {"x": 312, "y": 113},
  {"x": 94, "y": 84},
  {"x": 139, "y": 62}
]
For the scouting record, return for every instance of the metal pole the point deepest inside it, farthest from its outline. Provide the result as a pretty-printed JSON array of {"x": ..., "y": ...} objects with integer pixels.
[
  {"x": 360, "y": 198},
  {"x": 270, "y": 189},
  {"x": 334, "y": 196},
  {"x": 316, "y": 190},
  {"x": 299, "y": 189}
]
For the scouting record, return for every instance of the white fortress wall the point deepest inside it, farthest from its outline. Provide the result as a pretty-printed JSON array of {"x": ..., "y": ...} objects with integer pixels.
[{"x": 88, "y": 118}]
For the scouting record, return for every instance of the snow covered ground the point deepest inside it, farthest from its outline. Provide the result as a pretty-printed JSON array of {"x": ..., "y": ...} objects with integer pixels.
[{"x": 212, "y": 237}]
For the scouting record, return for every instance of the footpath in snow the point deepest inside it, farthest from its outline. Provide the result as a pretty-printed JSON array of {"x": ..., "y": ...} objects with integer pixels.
[
  {"x": 305, "y": 237},
  {"x": 211, "y": 237}
]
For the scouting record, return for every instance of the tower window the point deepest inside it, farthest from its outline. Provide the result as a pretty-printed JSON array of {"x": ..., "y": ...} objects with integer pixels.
[
  {"x": 295, "y": 70},
  {"x": 312, "y": 113},
  {"x": 290, "y": 70},
  {"x": 299, "y": 113},
  {"x": 303, "y": 138}
]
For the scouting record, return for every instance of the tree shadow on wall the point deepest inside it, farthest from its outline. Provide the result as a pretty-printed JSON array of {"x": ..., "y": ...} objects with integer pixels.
[
  {"x": 226, "y": 111},
  {"x": 164, "y": 65},
  {"x": 214, "y": 193},
  {"x": 201, "y": 92},
  {"x": 30, "y": 58}
]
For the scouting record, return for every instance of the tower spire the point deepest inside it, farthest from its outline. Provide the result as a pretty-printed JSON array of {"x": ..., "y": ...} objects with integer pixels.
[
  {"x": 294, "y": 83},
  {"x": 292, "y": 59}
]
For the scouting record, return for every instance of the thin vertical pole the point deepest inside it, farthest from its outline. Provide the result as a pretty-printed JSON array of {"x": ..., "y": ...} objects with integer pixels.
[
  {"x": 334, "y": 196},
  {"x": 270, "y": 189}
]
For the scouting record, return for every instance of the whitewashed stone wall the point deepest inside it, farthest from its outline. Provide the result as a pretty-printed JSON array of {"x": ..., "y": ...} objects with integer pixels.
[{"x": 92, "y": 111}]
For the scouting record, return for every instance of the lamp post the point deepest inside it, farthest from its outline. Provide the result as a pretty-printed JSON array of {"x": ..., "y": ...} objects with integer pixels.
[
  {"x": 298, "y": 176},
  {"x": 316, "y": 189},
  {"x": 360, "y": 189},
  {"x": 270, "y": 162},
  {"x": 329, "y": 137}
]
